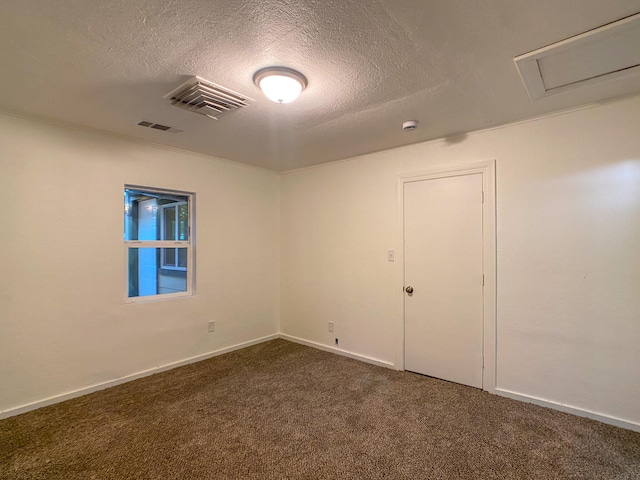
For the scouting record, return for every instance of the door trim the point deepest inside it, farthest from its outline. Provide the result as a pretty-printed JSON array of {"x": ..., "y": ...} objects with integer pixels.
[{"x": 488, "y": 171}]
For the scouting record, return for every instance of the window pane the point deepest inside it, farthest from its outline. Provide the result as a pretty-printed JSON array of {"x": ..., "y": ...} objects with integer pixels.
[
  {"x": 183, "y": 222},
  {"x": 146, "y": 277},
  {"x": 182, "y": 257},
  {"x": 169, "y": 221},
  {"x": 143, "y": 272},
  {"x": 141, "y": 220},
  {"x": 134, "y": 284},
  {"x": 130, "y": 223},
  {"x": 142, "y": 215},
  {"x": 169, "y": 257}
]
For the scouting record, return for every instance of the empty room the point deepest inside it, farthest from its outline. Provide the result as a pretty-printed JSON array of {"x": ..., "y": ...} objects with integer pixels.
[{"x": 268, "y": 239}]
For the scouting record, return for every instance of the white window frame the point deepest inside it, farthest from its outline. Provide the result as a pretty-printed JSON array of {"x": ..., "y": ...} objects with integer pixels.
[{"x": 188, "y": 244}]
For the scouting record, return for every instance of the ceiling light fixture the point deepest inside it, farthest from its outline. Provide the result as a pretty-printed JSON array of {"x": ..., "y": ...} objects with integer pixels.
[{"x": 280, "y": 84}]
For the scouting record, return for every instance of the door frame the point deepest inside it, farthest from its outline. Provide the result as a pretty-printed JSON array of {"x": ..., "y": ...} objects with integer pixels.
[{"x": 488, "y": 171}]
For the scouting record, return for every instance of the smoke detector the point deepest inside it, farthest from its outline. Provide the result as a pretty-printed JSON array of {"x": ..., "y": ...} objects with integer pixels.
[
  {"x": 206, "y": 98},
  {"x": 410, "y": 125}
]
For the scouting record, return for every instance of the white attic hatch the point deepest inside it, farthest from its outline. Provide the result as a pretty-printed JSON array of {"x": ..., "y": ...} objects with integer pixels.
[{"x": 606, "y": 53}]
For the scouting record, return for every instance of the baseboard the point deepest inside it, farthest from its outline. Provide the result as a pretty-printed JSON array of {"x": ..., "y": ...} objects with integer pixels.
[
  {"x": 580, "y": 412},
  {"x": 128, "y": 378},
  {"x": 618, "y": 422},
  {"x": 344, "y": 353}
]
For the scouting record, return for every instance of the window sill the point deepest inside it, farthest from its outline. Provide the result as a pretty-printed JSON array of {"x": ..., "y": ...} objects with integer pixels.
[{"x": 157, "y": 298}]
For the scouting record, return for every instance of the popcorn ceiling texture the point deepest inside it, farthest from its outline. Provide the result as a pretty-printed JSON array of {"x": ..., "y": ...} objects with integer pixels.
[{"x": 371, "y": 65}]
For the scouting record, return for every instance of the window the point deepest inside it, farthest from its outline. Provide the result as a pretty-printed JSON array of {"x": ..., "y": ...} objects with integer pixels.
[{"x": 158, "y": 242}]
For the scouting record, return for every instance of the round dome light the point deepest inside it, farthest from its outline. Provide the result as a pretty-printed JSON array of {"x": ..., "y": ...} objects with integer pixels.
[{"x": 280, "y": 84}]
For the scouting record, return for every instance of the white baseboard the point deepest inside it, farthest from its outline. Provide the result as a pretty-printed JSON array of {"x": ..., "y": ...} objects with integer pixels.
[
  {"x": 580, "y": 412},
  {"x": 618, "y": 422},
  {"x": 128, "y": 378},
  {"x": 344, "y": 353}
]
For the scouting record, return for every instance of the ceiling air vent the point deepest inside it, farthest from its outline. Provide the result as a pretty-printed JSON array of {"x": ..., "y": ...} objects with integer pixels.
[
  {"x": 206, "y": 98},
  {"x": 158, "y": 126},
  {"x": 606, "y": 53}
]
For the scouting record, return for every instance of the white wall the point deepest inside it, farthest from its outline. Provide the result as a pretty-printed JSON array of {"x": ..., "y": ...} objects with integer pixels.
[
  {"x": 568, "y": 255},
  {"x": 568, "y": 216},
  {"x": 63, "y": 321}
]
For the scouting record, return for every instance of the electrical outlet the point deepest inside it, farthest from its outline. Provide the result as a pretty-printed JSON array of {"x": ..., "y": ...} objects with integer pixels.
[
  {"x": 212, "y": 326},
  {"x": 331, "y": 326}
]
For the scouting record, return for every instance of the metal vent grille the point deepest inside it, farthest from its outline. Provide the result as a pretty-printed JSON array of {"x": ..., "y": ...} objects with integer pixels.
[
  {"x": 158, "y": 126},
  {"x": 206, "y": 98}
]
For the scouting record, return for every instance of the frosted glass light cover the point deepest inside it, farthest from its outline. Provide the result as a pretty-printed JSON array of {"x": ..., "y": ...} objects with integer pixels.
[
  {"x": 280, "y": 84},
  {"x": 280, "y": 89}
]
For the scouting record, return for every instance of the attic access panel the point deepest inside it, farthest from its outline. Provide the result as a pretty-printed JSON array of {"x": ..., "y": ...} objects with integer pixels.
[{"x": 606, "y": 53}]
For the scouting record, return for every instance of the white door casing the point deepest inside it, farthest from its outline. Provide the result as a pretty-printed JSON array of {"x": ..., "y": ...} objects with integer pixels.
[{"x": 486, "y": 170}]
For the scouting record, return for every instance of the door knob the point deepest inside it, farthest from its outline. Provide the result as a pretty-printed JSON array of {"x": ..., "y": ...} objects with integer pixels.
[{"x": 409, "y": 289}]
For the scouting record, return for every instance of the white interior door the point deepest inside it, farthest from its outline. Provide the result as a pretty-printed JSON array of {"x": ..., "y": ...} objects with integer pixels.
[{"x": 443, "y": 266}]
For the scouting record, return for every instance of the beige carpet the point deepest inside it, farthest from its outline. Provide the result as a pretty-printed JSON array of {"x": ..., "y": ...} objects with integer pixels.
[{"x": 284, "y": 411}]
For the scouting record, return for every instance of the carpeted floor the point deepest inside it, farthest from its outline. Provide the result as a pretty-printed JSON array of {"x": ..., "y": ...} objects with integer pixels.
[{"x": 279, "y": 410}]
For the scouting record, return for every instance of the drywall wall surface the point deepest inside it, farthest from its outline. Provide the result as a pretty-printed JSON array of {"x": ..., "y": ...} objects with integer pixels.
[
  {"x": 568, "y": 262},
  {"x": 337, "y": 225},
  {"x": 63, "y": 317}
]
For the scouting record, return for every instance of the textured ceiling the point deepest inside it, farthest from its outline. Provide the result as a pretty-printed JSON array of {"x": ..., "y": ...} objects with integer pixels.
[{"x": 370, "y": 64}]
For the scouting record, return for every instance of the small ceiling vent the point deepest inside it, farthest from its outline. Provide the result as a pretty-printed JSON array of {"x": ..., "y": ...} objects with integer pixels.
[
  {"x": 606, "y": 53},
  {"x": 158, "y": 126},
  {"x": 206, "y": 98}
]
